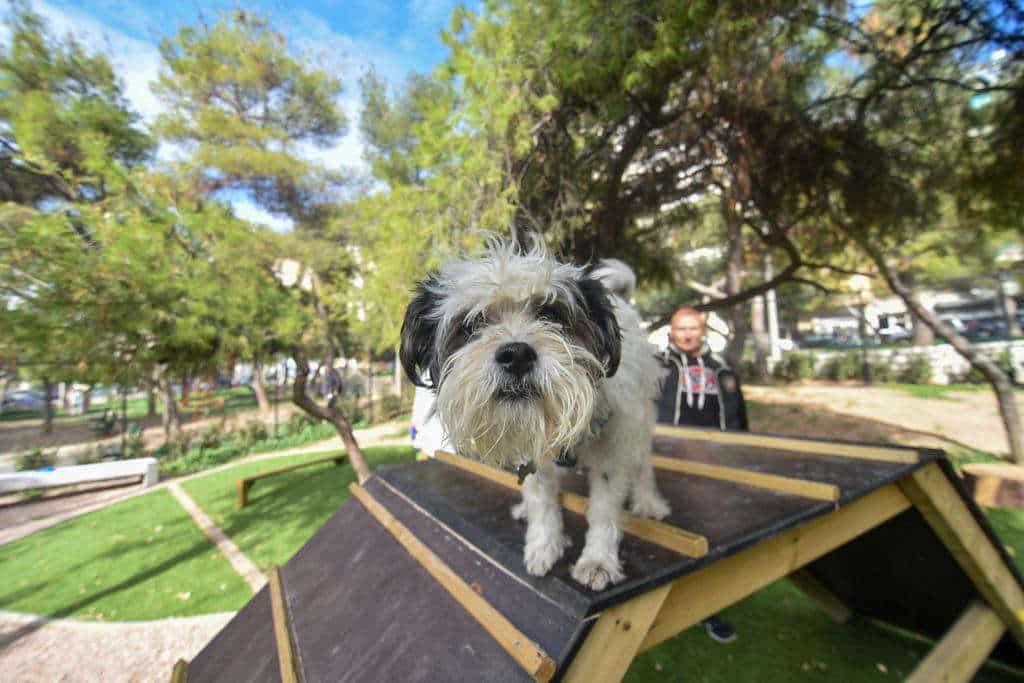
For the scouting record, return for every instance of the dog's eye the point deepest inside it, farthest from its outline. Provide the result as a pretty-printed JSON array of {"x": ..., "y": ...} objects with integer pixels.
[
  {"x": 550, "y": 312},
  {"x": 472, "y": 325}
]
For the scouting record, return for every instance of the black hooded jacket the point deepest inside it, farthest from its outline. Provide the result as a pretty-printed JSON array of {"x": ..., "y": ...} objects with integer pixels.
[{"x": 712, "y": 398}]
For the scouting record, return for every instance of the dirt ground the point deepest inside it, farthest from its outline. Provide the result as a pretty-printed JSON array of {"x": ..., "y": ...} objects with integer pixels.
[{"x": 879, "y": 414}]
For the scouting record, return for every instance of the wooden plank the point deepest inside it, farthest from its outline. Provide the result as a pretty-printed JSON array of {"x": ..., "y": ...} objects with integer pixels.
[
  {"x": 963, "y": 649},
  {"x": 705, "y": 592},
  {"x": 950, "y": 518},
  {"x": 243, "y": 485},
  {"x": 612, "y": 643},
  {"x": 668, "y": 536},
  {"x": 843, "y": 450},
  {"x": 829, "y": 602},
  {"x": 797, "y": 487},
  {"x": 180, "y": 672},
  {"x": 283, "y": 635},
  {"x": 534, "y": 660}
]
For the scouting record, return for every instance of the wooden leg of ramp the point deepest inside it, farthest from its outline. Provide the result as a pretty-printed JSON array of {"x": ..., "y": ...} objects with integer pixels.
[
  {"x": 615, "y": 639},
  {"x": 963, "y": 649},
  {"x": 951, "y": 520}
]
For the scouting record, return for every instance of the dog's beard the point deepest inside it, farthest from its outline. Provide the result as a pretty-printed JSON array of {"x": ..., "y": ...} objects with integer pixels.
[{"x": 507, "y": 420}]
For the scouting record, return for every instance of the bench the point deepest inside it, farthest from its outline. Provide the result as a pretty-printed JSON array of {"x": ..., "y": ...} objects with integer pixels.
[
  {"x": 145, "y": 468},
  {"x": 243, "y": 485}
]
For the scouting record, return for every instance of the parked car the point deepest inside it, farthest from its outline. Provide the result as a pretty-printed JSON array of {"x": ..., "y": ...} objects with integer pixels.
[
  {"x": 22, "y": 400},
  {"x": 892, "y": 334}
]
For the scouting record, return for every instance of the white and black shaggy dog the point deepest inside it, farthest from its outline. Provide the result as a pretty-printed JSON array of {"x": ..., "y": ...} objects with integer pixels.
[{"x": 534, "y": 362}]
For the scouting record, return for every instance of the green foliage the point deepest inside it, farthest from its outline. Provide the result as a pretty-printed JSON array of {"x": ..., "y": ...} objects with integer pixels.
[
  {"x": 252, "y": 433},
  {"x": 795, "y": 366},
  {"x": 842, "y": 366},
  {"x": 36, "y": 459},
  {"x": 389, "y": 407},
  {"x": 918, "y": 370},
  {"x": 881, "y": 369}
]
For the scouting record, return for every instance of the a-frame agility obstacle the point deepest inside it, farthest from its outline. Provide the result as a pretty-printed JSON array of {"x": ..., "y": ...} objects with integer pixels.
[{"x": 420, "y": 577}]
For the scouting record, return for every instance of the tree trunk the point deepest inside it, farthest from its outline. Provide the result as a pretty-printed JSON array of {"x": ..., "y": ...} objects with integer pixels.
[
  {"x": 759, "y": 332},
  {"x": 171, "y": 417},
  {"x": 87, "y": 399},
  {"x": 47, "y": 406},
  {"x": 331, "y": 413},
  {"x": 921, "y": 334},
  {"x": 150, "y": 400},
  {"x": 185, "y": 388},
  {"x": 259, "y": 388},
  {"x": 1000, "y": 383},
  {"x": 734, "y": 279}
]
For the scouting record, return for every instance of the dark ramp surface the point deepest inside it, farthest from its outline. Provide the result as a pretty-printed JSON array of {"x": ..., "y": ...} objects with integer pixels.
[{"x": 364, "y": 609}]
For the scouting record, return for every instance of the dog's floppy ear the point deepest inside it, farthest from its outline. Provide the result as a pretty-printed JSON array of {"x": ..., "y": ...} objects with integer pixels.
[
  {"x": 418, "y": 331},
  {"x": 601, "y": 329}
]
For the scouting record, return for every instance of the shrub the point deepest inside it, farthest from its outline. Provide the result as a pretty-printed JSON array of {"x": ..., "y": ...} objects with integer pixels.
[
  {"x": 389, "y": 407},
  {"x": 842, "y": 366},
  {"x": 882, "y": 370},
  {"x": 751, "y": 371},
  {"x": 252, "y": 433},
  {"x": 794, "y": 367},
  {"x": 134, "y": 445},
  {"x": 918, "y": 370},
  {"x": 211, "y": 437},
  {"x": 36, "y": 459},
  {"x": 300, "y": 420}
]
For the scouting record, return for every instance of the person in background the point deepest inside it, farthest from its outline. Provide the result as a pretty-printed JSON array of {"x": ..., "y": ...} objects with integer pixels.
[{"x": 699, "y": 390}]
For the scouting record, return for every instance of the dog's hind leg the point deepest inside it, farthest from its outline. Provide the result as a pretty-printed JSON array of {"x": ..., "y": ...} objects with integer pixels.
[
  {"x": 545, "y": 541},
  {"x": 646, "y": 501},
  {"x": 599, "y": 565}
]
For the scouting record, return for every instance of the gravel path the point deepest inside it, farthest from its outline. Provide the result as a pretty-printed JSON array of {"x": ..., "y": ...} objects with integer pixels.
[{"x": 37, "y": 650}]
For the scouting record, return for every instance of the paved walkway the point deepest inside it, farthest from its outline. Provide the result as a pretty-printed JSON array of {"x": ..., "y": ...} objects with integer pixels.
[{"x": 239, "y": 562}]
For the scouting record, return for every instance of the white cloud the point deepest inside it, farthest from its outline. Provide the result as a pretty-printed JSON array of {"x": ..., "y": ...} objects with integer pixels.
[
  {"x": 247, "y": 210},
  {"x": 136, "y": 62}
]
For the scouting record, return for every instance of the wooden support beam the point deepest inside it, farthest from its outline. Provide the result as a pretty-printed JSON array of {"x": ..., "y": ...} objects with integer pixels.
[
  {"x": 243, "y": 485},
  {"x": 527, "y": 653},
  {"x": 783, "y": 443},
  {"x": 612, "y": 643},
  {"x": 287, "y": 658},
  {"x": 951, "y": 520},
  {"x": 707, "y": 591},
  {"x": 963, "y": 649},
  {"x": 797, "y": 487},
  {"x": 829, "y": 602},
  {"x": 180, "y": 672},
  {"x": 668, "y": 536}
]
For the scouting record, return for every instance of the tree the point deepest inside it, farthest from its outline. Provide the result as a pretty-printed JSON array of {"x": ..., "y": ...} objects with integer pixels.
[{"x": 243, "y": 107}]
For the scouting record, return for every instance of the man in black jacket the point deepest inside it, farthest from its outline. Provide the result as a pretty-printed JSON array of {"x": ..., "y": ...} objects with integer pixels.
[{"x": 699, "y": 390}]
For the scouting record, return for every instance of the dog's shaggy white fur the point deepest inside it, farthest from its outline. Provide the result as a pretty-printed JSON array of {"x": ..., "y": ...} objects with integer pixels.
[{"x": 531, "y": 359}]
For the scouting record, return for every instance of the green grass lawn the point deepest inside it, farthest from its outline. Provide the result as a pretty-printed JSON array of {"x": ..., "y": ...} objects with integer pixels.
[
  {"x": 939, "y": 391},
  {"x": 285, "y": 510},
  {"x": 140, "y": 559},
  {"x": 783, "y": 636}
]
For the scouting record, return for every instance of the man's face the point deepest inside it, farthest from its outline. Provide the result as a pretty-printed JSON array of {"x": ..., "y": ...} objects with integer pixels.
[{"x": 687, "y": 333}]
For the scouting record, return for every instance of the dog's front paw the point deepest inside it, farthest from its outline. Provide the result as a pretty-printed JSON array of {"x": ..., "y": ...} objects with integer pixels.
[
  {"x": 540, "y": 555},
  {"x": 597, "y": 574},
  {"x": 651, "y": 506},
  {"x": 519, "y": 511}
]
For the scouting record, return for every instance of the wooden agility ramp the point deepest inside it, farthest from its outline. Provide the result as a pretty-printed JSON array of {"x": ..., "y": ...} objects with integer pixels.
[{"x": 420, "y": 577}]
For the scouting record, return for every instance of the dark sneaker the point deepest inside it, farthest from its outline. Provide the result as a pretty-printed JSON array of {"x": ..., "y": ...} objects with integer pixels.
[{"x": 719, "y": 630}]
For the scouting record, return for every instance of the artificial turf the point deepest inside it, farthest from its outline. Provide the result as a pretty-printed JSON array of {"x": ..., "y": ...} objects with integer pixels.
[{"x": 143, "y": 558}]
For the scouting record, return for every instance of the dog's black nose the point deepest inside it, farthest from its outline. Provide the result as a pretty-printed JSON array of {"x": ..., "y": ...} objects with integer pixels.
[{"x": 516, "y": 358}]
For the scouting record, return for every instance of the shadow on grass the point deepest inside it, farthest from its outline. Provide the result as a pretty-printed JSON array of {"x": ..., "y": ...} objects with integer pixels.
[
  {"x": 191, "y": 553},
  {"x": 285, "y": 510}
]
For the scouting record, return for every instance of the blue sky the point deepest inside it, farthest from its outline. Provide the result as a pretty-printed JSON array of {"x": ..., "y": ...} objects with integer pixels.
[{"x": 346, "y": 36}]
